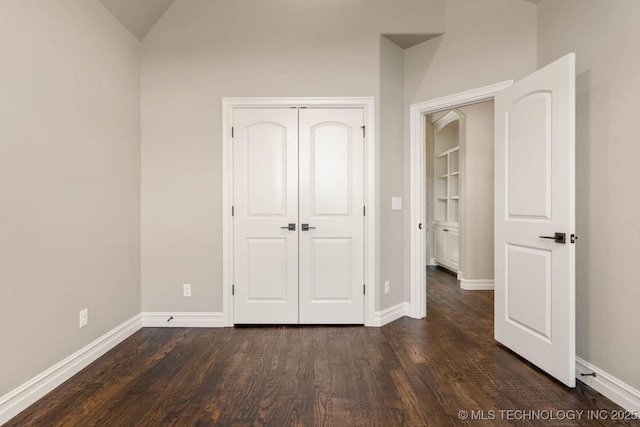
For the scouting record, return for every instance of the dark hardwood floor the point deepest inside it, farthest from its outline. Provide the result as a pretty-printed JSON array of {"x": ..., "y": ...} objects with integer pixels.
[{"x": 410, "y": 372}]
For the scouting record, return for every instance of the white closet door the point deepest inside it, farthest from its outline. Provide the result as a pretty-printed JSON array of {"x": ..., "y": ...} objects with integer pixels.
[
  {"x": 265, "y": 200},
  {"x": 331, "y": 204}
]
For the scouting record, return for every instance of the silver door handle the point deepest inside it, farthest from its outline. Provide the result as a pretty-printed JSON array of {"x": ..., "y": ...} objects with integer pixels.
[
  {"x": 305, "y": 227},
  {"x": 290, "y": 227}
]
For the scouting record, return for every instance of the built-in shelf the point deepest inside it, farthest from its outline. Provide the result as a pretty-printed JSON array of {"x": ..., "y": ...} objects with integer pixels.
[
  {"x": 446, "y": 190},
  {"x": 447, "y": 186}
]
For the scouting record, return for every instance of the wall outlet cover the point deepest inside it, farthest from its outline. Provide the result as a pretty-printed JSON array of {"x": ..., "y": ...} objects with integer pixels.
[{"x": 186, "y": 290}]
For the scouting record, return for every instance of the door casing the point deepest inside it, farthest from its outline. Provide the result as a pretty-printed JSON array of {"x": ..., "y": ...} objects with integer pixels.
[{"x": 367, "y": 105}]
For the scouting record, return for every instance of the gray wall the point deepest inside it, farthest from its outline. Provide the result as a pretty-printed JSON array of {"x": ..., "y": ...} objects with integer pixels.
[
  {"x": 70, "y": 185},
  {"x": 391, "y": 239},
  {"x": 202, "y": 51},
  {"x": 604, "y": 35},
  {"x": 476, "y": 151}
]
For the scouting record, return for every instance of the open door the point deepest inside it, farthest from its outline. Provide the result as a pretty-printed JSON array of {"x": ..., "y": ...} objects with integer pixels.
[{"x": 535, "y": 219}]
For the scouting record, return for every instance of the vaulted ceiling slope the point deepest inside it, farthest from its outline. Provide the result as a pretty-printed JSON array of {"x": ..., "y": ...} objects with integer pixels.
[{"x": 139, "y": 16}]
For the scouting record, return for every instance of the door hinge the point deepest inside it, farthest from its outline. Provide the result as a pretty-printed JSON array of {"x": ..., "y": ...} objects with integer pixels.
[
  {"x": 232, "y": 131},
  {"x": 233, "y": 210},
  {"x": 364, "y": 211},
  {"x": 364, "y": 289},
  {"x": 574, "y": 238},
  {"x": 233, "y": 289},
  {"x": 364, "y": 132}
]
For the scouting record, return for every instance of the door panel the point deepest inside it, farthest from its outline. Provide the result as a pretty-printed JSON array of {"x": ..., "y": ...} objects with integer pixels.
[
  {"x": 330, "y": 150},
  {"x": 331, "y": 275},
  {"x": 453, "y": 247},
  {"x": 265, "y": 200},
  {"x": 528, "y": 290},
  {"x": 528, "y": 144},
  {"x": 266, "y": 169},
  {"x": 331, "y": 201},
  {"x": 267, "y": 269},
  {"x": 441, "y": 244},
  {"x": 535, "y": 198}
]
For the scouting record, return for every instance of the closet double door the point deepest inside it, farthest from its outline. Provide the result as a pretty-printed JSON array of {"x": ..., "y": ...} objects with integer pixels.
[{"x": 298, "y": 216}]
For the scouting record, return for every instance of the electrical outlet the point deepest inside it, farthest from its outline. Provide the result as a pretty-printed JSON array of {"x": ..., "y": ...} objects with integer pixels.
[
  {"x": 387, "y": 286},
  {"x": 186, "y": 290},
  {"x": 84, "y": 317}
]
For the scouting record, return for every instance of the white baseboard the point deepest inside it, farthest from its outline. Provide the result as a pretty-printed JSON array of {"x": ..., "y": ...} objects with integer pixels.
[
  {"x": 432, "y": 262},
  {"x": 609, "y": 386},
  {"x": 477, "y": 285},
  {"x": 182, "y": 320},
  {"x": 14, "y": 402},
  {"x": 388, "y": 315}
]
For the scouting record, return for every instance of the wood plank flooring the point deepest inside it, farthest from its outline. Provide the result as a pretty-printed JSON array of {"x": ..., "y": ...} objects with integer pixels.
[{"x": 410, "y": 372}]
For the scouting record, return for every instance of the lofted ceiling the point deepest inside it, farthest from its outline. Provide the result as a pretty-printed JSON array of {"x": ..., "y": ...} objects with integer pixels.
[
  {"x": 139, "y": 16},
  {"x": 406, "y": 41}
]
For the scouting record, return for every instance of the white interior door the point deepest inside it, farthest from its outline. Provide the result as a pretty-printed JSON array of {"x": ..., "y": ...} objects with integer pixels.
[
  {"x": 534, "y": 199},
  {"x": 265, "y": 200},
  {"x": 331, "y": 204}
]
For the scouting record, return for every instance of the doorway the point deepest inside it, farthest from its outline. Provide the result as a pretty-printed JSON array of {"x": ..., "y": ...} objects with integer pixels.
[
  {"x": 418, "y": 174},
  {"x": 459, "y": 194}
]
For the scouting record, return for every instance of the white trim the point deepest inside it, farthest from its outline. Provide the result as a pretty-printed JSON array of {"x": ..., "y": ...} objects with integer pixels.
[
  {"x": 182, "y": 320},
  {"x": 608, "y": 385},
  {"x": 390, "y": 314},
  {"x": 367, "y": 104},
  {"x": 17, "y": 400},
  {"x": 476, "y": 284},
  {"x": 417, "y": 245}
]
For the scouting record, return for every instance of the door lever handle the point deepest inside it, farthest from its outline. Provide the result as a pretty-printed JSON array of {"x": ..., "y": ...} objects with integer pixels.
[
  {"x": 557, "y": 237},
  {"x": 305, "y": 227},
  {"x": 290, "y": 227}
]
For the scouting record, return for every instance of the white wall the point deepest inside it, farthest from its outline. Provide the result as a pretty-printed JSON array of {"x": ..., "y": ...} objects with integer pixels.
[
  {"x": 202, "y": 51},
  {"x": 485, "y": 42},
  {"x": 604, "y": 35},
  {"x": 70, "y": 185}
]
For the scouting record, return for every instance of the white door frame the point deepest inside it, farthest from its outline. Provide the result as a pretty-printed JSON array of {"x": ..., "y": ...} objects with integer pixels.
[
  {"x": 418, "y": 170},
  {"x": 364, "y": 103}
]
